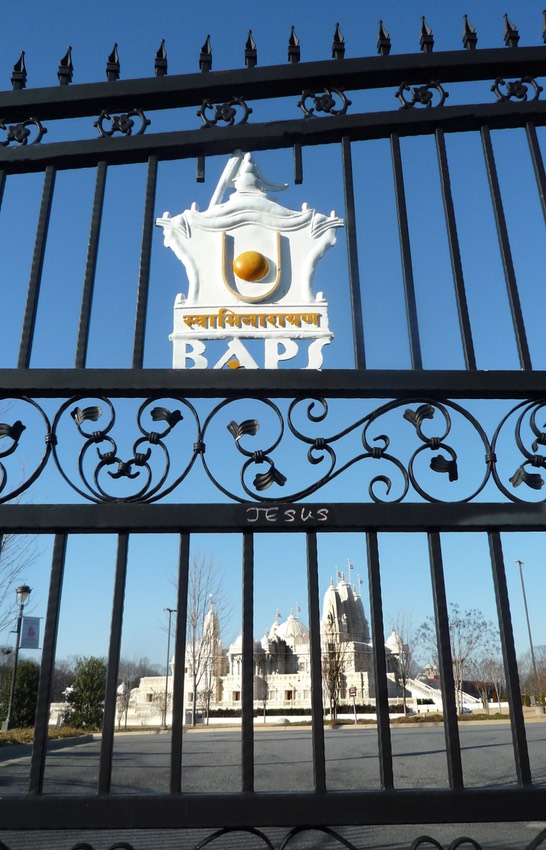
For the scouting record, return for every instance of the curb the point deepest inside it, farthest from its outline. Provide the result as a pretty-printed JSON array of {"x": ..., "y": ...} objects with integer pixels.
[{"x": 15, "y": 751}]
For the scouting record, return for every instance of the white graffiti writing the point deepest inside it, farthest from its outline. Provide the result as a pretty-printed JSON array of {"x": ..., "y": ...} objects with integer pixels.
[{"x": 286, "y": 515}]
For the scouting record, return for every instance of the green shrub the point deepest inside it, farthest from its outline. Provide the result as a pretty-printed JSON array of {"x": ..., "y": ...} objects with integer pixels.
[
  {"x": 86, "y": 698},
  {"x": 25, "y": 695}
]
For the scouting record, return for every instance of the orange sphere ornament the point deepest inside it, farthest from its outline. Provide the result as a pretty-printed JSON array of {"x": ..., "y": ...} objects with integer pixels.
[{"x": 251, "y": 265}]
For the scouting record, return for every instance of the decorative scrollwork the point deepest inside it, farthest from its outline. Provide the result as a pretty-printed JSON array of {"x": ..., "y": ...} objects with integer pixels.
[
  {"x": 526, "y": 431},
  {"x": 11, "y": 435},
  {"x": 224, "y": 112},
  {"x": 121, "y": 123},
  {"x": 228, "y": 830},
  {"x": 375, "y": 451},
  {"x": 20, "y": 133},
  {"x": 421, "y": 95},
  {"x": 428, "y": 841},
  {"x": 283, "y": 841},
  {"x": 239, "y": 431},
  {"x": 257, "y": 450},
  {"x": 516, "y": 89},
  {"x": 148, "y": 464},
  {"x": 324, "y": 101}
]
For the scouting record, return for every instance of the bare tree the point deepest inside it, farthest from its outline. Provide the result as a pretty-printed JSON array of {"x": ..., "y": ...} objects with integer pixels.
[
  {"x": 207, "y": 605},
  {"x": 333, "y": 658},
  {"x": 404, "y": 651},
  {"x": 162, "y": 701},
  {"x": 63, "y": 676},
  {"x": 17, "y": 553},
  {"x": 123, "y": 700},
  {"x": 132, "y": 670},
  {"x": 262, "y": 683},
  {"x": 487, "y": 672},
  {"x": 204, "y": 697},
  {"x": 469, "y": 632},
  {"x": 333, "y": 673},
  {"x": 533, "y": 686}
]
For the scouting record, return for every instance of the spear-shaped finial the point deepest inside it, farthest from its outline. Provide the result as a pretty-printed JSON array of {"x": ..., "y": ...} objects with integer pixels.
[
  {"x": 470, "y": 38},
  {"x": 511, "y": 34},
  {"x": 426, "y": 41},
  {"x": 66, "y": 68},
  {"x": 205, "y": 57},
  {"x": 383, "y": 41},
  {"x": 251, "y": 53},
  {"x": 338, "y": 44},
  {"x": 112, "y": 65},
  {"x": 19, "y": 73},
  {"x": 294, "y": 51},
  {"x": 160, "y": 61}
]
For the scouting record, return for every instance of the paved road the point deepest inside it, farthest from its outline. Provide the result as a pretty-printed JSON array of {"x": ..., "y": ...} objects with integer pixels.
[
  {"x": 283, "y": 759},
  {"x": 211, "y": 762}
]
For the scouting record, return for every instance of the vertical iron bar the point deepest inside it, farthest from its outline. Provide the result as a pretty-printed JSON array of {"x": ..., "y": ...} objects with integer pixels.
[
  {"x": 445, "y": 663},
  {"x": 379, "y": 664},
  {"x": 352, "y": 253},
  {"x": 47, "y": 666},
  {"x": 298, "y": 164},
  {"x": 519, "y": 741},
  {"x": 456, "y": 264},
  {"x": 506, "y": 253},
  {"x": 145, "y": 262},
  {"x": 35, "y": 279},
  {"x": 2, "y": 185},
  {"x": 405, "y": 251},
  {"x": 317, "y": 709},
  {"x": 90, "y": 267},
  {"x": 179, "y": 668},
  {"x": 110, "y": 699},
  {"x": 247, "y": 685},
  {"x": 200, "y": 169},
  {"x": 538, "y": 164}
]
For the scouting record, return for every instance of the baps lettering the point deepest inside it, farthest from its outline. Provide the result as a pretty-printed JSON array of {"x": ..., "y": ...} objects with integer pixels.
[{"x": 286, "y": 515}]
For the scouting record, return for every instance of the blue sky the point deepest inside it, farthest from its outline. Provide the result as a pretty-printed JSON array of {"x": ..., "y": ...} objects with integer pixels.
[{"x": 44, "y": 31}]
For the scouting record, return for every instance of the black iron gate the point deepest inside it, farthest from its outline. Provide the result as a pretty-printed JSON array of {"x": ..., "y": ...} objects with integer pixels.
[{"x": 489, "y": 91}]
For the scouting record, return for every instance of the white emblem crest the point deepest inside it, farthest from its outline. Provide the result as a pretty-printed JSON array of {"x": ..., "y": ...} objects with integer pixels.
[{"x": 250, "y": 265}]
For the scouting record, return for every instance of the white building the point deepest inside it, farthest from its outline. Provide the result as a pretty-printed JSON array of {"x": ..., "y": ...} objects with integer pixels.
[{"x": 281, "y": 664}]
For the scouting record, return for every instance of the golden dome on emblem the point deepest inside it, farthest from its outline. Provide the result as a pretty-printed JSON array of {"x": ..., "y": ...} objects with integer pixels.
[{"x": 251, "y": 266}]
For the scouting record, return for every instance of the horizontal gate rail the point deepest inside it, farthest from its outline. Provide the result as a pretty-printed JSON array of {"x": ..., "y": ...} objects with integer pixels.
[
  {"x": 185, "y": 144},
  {"x": 210, "y": 810},
  {"x": 215, "y": 383},
  {"x": 269, "y": 82},
  {"x": 285, "y": 517}
]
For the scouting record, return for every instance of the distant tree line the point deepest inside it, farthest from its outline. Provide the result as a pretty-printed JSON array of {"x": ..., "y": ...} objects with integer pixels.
[{"x": 80, "y": 682}]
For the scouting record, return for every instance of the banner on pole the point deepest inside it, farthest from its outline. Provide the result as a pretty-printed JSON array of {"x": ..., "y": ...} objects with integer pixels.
[{"x": 30, "y": 633}]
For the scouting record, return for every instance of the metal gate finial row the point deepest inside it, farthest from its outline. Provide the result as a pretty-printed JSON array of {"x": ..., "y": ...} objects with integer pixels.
[{"x": 426, "y": 45}]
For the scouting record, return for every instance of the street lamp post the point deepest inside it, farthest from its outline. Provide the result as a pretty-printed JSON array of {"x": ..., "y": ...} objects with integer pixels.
[
  {"x": 520, "y": 565},
  {"x": 170, "y": 612},
  {"x": 23, "y": 594}
]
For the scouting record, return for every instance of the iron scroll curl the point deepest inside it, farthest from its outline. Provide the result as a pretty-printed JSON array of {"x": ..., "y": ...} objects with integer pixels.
[
  {"x": 256, "y": 449},
  {"x": 150, "y": 464}
]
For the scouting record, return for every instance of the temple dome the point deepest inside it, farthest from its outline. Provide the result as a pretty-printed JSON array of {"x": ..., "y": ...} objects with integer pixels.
[
  {"x": 236, "y": 648},
  {"x": 394, "y": 643},
  {"x": 293, "y": 632}
]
